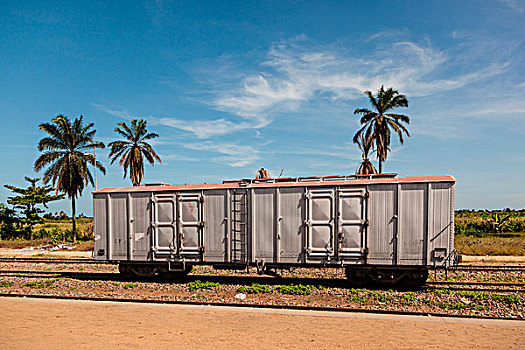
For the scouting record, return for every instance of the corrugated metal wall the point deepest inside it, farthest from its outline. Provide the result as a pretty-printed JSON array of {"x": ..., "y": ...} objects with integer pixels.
[
  {"x": 380, "y": 224},
  {"x": 382, "y": 230}
]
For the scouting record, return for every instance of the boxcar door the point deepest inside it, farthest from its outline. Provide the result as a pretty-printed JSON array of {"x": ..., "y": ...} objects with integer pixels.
[
  {"x": 351, "y": 214},
  {"x": 164, "y": 225},
  {"x": 190, "y": 224},
  {"x": 320, "y": 224}
]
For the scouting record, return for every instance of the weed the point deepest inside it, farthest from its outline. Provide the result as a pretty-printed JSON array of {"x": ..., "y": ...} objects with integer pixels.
[
  {"x": 382, "y": 298},
  {"x": 41, "y": 284},
  {"x": 475, "y": 295},
  {"x": 196, "y": 285},
  {"x": 6, "y": 284},
  {"x": 452, "y": 306},
  {"x": 356, "y": 298},
  {"x": 130, "y": 285},
  {"x": 507, "y": 298},
  {"x": 255, "y": 288},
  {"x": 293, "y": 289},
  {"x": 408, "y": 296},
  {"x": 440, "y": 292},
  {"x": 116, "y": 284}
]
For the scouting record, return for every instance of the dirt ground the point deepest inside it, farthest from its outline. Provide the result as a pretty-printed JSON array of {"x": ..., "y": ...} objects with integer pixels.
[{"x": 52, "y": 324}]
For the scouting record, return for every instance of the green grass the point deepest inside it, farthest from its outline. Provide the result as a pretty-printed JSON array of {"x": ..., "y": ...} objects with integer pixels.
[
  {"x": 293, "y": 289},
  {"x": 6, "y": 284},
  {"x": 196, "y": 285},
  {"x": 255, "y": 288},
  {"x": 40, "y": 284},
  {"x": 130, "y": 285},
  {"x": 507, "y": 298}
]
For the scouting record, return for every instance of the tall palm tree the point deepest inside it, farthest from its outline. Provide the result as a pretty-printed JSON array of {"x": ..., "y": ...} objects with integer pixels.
[
  {"x": 365, "y": 145},
  {"x": 133, "y": 151},
  {"x": 378, "y": 124},
  {"x": 64, "y": 154}
]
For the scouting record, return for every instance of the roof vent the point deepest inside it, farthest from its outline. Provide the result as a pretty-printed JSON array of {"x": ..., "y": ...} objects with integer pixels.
[{"x": 156, "y": 184}]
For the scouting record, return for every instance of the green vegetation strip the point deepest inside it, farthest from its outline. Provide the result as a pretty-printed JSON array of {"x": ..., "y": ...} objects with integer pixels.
[{"x": 290, "y": 289}]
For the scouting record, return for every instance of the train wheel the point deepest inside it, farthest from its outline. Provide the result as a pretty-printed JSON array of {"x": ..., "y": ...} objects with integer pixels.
[{"x": 358, "y": 277}]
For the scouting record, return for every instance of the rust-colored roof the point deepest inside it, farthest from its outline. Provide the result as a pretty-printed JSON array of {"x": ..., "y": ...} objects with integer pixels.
[{"x": 265, "y": 183}]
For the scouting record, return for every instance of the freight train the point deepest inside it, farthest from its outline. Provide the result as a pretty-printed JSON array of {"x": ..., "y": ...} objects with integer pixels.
[{"x": 379, "y": 228}]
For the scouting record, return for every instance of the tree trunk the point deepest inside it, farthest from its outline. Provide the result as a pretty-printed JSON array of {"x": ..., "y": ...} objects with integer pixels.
[
  {"x": 74, "y": 220},
  {"x": 380, "y": 167}
]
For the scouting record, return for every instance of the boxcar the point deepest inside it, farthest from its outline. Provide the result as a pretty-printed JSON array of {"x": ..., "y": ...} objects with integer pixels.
[{"x": 378, "y": 227}]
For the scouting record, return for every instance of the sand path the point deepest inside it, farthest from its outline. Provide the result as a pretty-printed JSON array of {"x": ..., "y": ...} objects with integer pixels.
[{"x": 56, "y": 324}]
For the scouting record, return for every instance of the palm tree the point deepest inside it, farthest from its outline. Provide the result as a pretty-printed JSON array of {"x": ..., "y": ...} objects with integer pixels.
[
  {"x": 65, "y": 157},
  {"x": 377, "y": 123},
  {"x": 133, "y": 151},
  {"x": 366, "y": 167}
]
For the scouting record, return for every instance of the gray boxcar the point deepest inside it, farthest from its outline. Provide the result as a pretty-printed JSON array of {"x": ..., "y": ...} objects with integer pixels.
[{"x": 379, "y": 227}]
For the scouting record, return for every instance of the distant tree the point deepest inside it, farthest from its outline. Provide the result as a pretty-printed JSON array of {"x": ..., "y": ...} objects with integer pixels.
[
  {"x": 134, "y": 149},
  {"x": 64, "y": 154},
  {"x": 365, "y": 145},
  {"x": 9, "y": 223},
  {"x": 29, "y": 200},
  {"x": 377, "y": 123}
]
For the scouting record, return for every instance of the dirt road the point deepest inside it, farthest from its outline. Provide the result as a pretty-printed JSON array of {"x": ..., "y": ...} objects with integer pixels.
[{"x": 53, "y": 324}]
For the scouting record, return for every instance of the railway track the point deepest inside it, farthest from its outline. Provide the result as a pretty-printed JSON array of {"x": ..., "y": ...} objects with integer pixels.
[
  {"x": 251, "y": 305},
  {"x": 248, "y": 280}
]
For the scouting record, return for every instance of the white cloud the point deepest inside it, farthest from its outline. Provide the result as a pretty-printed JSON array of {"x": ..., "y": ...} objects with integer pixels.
[
  {"x": 296, "y": 71},
  {"x": 116, "y": 113},
  {"x": 233, "y": 155},
  {"x": 514, "y": 4},
  {"x": 208, "y": 128},
  {"x": 178, "y": 158}
]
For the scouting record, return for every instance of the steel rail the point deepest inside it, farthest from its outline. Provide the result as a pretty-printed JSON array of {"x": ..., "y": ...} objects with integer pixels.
[{"x": 253, "y": 305}]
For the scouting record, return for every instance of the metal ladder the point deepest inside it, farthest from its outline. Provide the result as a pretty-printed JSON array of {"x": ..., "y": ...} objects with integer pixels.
[{"x": 239, "y": 226}]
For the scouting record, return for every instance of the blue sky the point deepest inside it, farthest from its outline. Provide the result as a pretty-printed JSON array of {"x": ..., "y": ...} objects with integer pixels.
[{"x": 234, "y": 86}]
